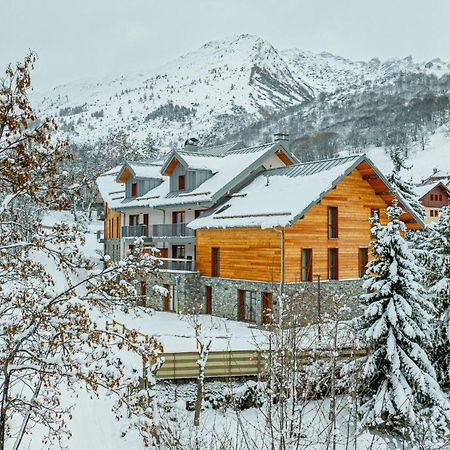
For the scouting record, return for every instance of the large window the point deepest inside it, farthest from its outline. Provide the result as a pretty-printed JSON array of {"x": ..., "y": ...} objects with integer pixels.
[
  {"x": 181, "y": 182},
  {"x": 266, "y": 304},
  {"x": 247, "y": 306},
  {"x": 208, "y": 299},
  {"x": 215, "y": 261},
  {"x": 169, "y": 299},
  {"x": 178, "y": 251},
  {"x": 363, "y": 260},
  {"x": 133, "y": 220},
  {"x": 333, "y": 264},
  {"x": 332, "y": 222},
  {"x": 307, "y": 264}
]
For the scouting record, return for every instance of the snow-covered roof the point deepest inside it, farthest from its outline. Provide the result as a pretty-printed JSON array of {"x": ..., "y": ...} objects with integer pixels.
[
  {"x": 228, "y": 170},
  {"x": 142, "y": 169},
  {"x": 216, "y": 150},
  {"x": 111, "y": 191},
  {"x": 423, "y": 189},
  {"x": 279, "y": 197}
]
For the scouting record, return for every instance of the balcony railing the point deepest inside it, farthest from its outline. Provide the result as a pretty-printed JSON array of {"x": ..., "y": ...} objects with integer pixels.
[
  {"x": 135, "y": 231},
  {"x": 158, "y": 230},
  {"x": 177, "y": 264},
  {"x": 172, "y": 230}
]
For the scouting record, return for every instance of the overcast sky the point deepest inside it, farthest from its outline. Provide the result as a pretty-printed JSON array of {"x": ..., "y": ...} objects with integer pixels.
[{"x": 92, "y": 38}]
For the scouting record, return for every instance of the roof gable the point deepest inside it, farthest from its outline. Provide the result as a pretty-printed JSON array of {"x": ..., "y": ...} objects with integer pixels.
[{"x": 280, "y": 197}]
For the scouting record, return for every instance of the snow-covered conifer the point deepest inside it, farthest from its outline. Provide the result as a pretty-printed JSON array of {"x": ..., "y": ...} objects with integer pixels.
[
  {"x": 400, "y": 391},
  {"x": 434, "y": 252},
  {"x": 404, "y": 188}
]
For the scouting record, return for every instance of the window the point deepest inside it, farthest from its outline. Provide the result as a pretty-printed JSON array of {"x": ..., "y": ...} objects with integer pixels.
[
  {"x": 215, "y": 261},
  {"x": 307, "y": 264},
  {"x": 431, "y": 196},
  {"x": 178, "y": 251},
  {"x": 440, "y": 197},
  {"x": 169, "y": 299},
  {"x": 143, "y": 292},
  {"x": 208, "y": 300},
  {"x": 333, "y": 264},
  {"x": 178, "y": 216},
  {"x": 431, "y": 212},
  {"x": 363, "y": 260},
  {"x": 181, "y": 182},
  {"x": 197, "y": 213},
  {"x": 133, "y": 220},
  {"x": 134, "y": 189},
  {"x": 266, "y": 303},
  {"x": 246, "y": 306},
  {"x": 332, "y": 222}
]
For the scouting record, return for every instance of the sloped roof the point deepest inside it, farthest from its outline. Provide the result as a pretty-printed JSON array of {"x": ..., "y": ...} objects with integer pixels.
[
  {"x": 279, "y": 197},
  {"x": 111, "y": 191},
  {"x": 217, "y": 150},
  {"x": 423, "y": 189},
  {"x": 142, "y": 169},
  {"x": 229, "y": 165}
]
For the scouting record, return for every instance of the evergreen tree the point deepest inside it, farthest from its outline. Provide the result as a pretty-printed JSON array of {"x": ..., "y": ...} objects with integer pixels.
[
  {"x": 405, "y": 189},
  {"x": 401, "y": 394},
  {"x": 434, "y": 252}
]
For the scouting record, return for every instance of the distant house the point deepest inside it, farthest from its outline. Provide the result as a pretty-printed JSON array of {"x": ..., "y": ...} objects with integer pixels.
[
  {"x": 437, "y": 175},
  {"x": 235, "y": 225},
  {"x": 433, "y": 197}
]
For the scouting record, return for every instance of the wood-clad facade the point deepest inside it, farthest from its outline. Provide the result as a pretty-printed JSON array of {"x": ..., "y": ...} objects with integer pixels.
[
  {"x": 111, "y": 225},
  {"x": 256, "y": 254}
]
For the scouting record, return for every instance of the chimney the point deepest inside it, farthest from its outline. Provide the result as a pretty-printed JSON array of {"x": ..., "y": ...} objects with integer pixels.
[
  {"x": 191, "y": 145},
  {"x": 283, "y": 138}
]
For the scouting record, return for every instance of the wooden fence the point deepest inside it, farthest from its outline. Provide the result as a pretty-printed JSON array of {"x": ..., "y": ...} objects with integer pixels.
[
  {"x": 232, "y": 363},
  {"x": 237, "y": 363}
]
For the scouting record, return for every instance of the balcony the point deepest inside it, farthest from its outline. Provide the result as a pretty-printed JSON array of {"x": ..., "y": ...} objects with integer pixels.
[
  {"x": 158, "y": 231},
  {"x": 135, "y": 231},
  {"x": 177, "y": 265},
  {"x": 172, "y": 230}
]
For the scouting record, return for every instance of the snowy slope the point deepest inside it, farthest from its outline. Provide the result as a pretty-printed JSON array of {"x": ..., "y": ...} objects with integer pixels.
[{"x": 422, "y": 163}]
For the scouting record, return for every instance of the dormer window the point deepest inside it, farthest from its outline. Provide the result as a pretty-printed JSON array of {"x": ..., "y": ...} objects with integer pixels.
[
  {"x": 181, "y": 182},
  {"x": 134, "y": 190}
]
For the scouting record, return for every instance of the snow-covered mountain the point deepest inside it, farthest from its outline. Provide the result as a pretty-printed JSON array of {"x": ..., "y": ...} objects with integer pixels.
[
  {"x": 208, "y": 90},
  {"x": 215, "y": 91},
  {"x": 325, "y": 72}
]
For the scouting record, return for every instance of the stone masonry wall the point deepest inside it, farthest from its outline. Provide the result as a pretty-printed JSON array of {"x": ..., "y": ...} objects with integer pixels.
[{"x": 189, "y": 295}]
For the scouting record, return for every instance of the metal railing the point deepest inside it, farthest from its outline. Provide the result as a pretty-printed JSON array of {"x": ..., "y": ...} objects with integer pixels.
[
  {"x": 177, "y": 264},
  {"x": 158, "y": 230},
  {"x": 172, "y": 230},
  {"x": 135, "y": 231}
]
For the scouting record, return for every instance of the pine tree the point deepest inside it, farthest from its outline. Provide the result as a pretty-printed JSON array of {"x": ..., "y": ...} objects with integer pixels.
[
  {"x": 434, "y": 252},
  {"x": 404, "y": 189},
  {"x": 401, "y": 393}
]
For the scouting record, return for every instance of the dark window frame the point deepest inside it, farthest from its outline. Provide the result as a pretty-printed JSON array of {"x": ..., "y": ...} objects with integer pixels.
[
  {"x": 306, "y": 255},
  {"x": 215, "y": 261},
  {"x": 247, "y": 315},
  {"x": 181, "y": 182},
  {"x": 134, "y": 190},
  {"x": 333, "y": 222},
  {"x": 333, "y": 263}
]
